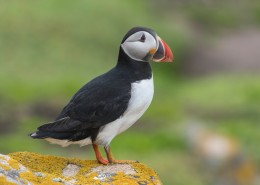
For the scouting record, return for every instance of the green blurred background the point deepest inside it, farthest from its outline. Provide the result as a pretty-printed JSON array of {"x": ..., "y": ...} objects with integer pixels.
[{"x": 50, "y": 48}]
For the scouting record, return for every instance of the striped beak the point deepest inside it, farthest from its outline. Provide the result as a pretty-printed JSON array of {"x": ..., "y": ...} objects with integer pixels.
[{"x": 163, "y": 53}]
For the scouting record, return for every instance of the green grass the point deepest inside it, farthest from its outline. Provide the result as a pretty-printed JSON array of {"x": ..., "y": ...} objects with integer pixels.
[{"x": 63, "y": 45}]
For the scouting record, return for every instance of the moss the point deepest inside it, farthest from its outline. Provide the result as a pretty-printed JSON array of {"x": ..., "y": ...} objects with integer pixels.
[{"x": 53, "y": 167}]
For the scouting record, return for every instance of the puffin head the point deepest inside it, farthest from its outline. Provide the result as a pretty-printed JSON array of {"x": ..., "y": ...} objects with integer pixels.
[{"x": 143, "y": 44}]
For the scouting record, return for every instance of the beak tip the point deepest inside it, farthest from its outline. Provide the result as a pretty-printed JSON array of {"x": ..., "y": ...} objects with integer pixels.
[
  {"x": 168, "y": 56},
  {"x": 168, "y": 60}
]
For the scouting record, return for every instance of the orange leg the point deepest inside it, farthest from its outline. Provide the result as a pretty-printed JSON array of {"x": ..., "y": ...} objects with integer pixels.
[
  {"x": 99, "y": 155},
  {"x": 110, "y": 156}
]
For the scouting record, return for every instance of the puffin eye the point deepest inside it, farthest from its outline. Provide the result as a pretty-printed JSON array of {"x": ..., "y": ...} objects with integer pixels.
[{"x": 142, "y": 39}]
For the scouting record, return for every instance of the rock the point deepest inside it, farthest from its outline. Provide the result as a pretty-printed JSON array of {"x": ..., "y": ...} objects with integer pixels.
[
  {"x": 11, "y": 170},
  {"x": 39, "y": 174},
  {"x": 57, "y": 180},
  {"x": 70, "y": 170},
  {"x": 31, "y": 168}
]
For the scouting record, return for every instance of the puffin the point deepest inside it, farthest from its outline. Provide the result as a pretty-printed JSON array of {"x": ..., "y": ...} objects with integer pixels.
[{"x": 112, "y": 102}]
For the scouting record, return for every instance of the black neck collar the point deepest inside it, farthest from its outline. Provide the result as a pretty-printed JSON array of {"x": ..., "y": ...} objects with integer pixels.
[{"x": 141, "y": 70}]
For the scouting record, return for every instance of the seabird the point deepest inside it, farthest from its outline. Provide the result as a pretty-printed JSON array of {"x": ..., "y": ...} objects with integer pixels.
[{"x": 112, "y": 102}]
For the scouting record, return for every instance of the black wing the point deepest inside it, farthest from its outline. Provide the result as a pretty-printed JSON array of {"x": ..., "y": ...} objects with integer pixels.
[{"x": 99, "y": 102}]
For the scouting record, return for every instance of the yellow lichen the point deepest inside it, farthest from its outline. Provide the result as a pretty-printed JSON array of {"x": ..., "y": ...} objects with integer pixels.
[
  {"x": 31, "y": 177},
  {"x": 5, "y": 182},
  {"x": 5, "y": 166},
  {"x": 14, "y": 164},
  {"x": 3, "y": 158},
  {"x": 147, "y": 173},
  {"x": 53, "y": 167}
]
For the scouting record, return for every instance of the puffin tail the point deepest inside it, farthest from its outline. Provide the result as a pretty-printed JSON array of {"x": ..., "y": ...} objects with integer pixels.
[
  {"x": 59, "y": 129},
  {"x": 39, "y": 135},
  {"x": 45, "y": 134},
  {"x": 34, "y": 135}
]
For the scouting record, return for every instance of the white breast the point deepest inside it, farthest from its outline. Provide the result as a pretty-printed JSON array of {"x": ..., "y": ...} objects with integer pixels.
[{"x": 141, "y": 97}]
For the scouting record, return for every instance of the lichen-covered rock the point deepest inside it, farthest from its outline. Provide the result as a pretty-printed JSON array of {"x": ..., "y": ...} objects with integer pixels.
[
  {"x": 11, "y": 170},
  {"x": 30, "y": 168}
]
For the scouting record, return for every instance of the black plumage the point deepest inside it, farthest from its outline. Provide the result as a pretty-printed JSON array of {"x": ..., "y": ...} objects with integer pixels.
[{"x": 99, "y": 102}]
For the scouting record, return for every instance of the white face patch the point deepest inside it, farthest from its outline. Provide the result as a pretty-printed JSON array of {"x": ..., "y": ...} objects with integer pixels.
[{"x": 138, "y": 45}]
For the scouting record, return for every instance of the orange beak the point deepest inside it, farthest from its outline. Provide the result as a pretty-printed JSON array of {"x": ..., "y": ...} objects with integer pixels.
[{"x": 163, "y": 53}]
